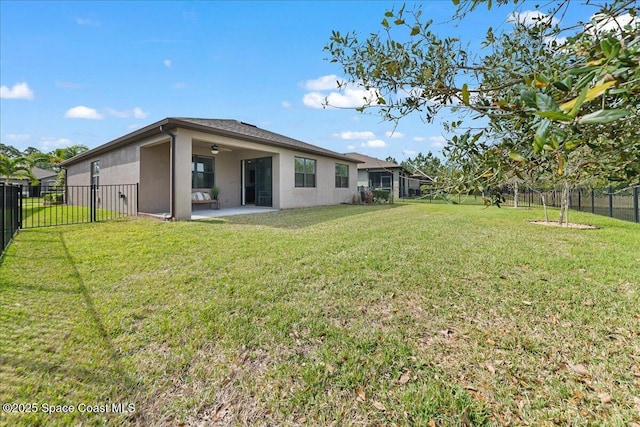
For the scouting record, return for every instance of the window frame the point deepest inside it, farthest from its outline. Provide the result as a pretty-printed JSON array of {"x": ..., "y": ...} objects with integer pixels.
[
  {"x": 342, "y": 175},
  {"x": 306, "y": 176},
  {"x": 95, "y": 173},
  {"x": 204, "y": 174}
]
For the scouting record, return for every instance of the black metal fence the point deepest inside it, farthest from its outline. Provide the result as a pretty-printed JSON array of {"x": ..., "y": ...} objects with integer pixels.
[
  {"x": 9, "y": 214},
  {"x": 614, "y": 203},
  {"x": 45, "y": 206}
]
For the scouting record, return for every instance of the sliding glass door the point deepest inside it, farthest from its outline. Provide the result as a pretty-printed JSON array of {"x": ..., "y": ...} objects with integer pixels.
[
  {"x": 264, "y": 182},
  {"x": 257, "y": 182}
]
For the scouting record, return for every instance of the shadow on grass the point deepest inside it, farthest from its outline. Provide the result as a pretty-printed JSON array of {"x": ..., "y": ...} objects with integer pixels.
[
  {"x": 54, "y": 341},
  {"x": 305, "y": 217}
]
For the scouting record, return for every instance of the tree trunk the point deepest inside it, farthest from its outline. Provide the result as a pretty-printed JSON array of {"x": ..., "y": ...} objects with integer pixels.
[
  {"x": 515, "y": 195},
  {"x": 544, "y": 205},
  {"x": 564, "y": 204}
]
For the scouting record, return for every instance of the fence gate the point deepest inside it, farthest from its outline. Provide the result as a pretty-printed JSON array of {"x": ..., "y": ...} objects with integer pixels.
[{"x": 43, "y": 206}]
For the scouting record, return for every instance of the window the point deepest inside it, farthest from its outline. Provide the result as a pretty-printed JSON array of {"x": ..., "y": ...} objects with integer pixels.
[
  {"x": 95, "y": 173},
  {"x": 202, "y": 172},
  {"x": 342, "y": 175},
  {"x": 305, "y": 170},
  {"x": 381, "y": 180}
]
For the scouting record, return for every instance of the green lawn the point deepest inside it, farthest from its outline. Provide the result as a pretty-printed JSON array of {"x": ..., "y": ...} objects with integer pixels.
[{"x": 346, "y": 315}]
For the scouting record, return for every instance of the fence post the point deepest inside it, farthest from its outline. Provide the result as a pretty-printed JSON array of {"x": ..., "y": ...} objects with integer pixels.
[
  {"x": 3, "y": 204},
  {"x": 137, "y": 198},
  {"x": 19, "y": 214},
  {"x": 92, "y": 204},
  {"x": 610, "y": 202},
  {"x": 593, "y": 201},
  {"x": 580, "y": 199},
  {"x": 636, "y": 210}
]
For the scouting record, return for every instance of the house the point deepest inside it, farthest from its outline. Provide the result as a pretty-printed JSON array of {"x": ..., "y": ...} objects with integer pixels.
[
  {"x": 45, "y": 178},
  {"x": 417, "y": 181},
  {"x": 377, "y": 174},
  {"x": 174, "y": 157}
]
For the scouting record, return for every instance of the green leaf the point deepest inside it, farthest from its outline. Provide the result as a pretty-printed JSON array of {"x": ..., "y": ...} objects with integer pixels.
[
  {"x": 546, "y": 103},
  {"x": 610, "y": 47},
  {"x": 528, "y": 96},
  {"x": 572, "y": 107},
  {"x": 561, "y": 85},
  {"x": 465, "y": 94},
  {"x": 554, "y": 115},
  {"x": 516, "y": 156},
  {"x": 603, "y": 116},
  {"x": 399, "y": 21},
  {"x": 415, "y": 30},
  {"x": 570, "y": 145},
  {"x": 456, "y": 2},
  {"x": 385, "y": 23},
  {"x": 388, "y": 14}
]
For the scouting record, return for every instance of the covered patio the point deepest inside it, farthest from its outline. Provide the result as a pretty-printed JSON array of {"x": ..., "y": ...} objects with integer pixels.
[{"x": 200, "y": 214}]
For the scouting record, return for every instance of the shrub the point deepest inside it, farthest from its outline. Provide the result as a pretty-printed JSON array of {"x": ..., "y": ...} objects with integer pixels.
[
  {"x": 381, "y": 196},
  {"x": 53, "y": 197}
]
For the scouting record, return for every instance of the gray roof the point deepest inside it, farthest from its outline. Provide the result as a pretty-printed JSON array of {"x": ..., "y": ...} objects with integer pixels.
[
  {"x": 43, "y": 173},
  {"x": 224, "y": 127},
  {"x": 368, "y": 162}
]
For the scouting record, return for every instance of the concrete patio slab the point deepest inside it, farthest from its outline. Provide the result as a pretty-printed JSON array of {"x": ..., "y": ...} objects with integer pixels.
[{"x": 217, "y": 213}]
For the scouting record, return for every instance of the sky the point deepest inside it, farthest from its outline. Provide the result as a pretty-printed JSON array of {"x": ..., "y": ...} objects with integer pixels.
[{"x": 85, "y": 72}]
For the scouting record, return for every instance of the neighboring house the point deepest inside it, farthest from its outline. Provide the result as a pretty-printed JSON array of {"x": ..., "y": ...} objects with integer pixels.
[
  {"x": 376, "y": 174},
  {"x": 416, "y": 181},
  {"x": 174, "y": 157},
  {"x": 45, "y": 178}
]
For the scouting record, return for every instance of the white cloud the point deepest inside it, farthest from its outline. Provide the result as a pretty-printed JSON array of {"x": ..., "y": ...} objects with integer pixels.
[
  {"x": 376, "y": 143},
  {"x": 351, "y": 147},
  {"x": 356, "y": 135},
  {"x": 325, "y": 93},
  {"x": 87, "y": 21},
  {"x": 285, "y": 104},
  {"x": 137, "y": 113},
  {"x": 180, "y": 85},
  {"x": 531, "y": 18},
  {"x": 18, "y": 91},
  {"x": 558, "y": 40},
  {"x": 82, "y": 112},
  {"x": 349, "y": 98},
  {"x": 314, "y": 100},
  {"x": 391, "y": 134},
  {"x": 409, "y": 153},
  {"x": 418, "y": 138},
  {"x": 607, "y": 24},
  {"x": 51, "y": 143},
  {"x": 167, "y": 63},
  {"x": 329, "y": 82},
  {"x": 17, "y": 137},
  {"x": 437, "y": 141}
]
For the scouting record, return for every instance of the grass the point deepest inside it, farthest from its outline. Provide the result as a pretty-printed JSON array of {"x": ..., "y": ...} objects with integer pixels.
[
  {"x": 348, "y": 315},
  {"x": 38, "y": 214}
]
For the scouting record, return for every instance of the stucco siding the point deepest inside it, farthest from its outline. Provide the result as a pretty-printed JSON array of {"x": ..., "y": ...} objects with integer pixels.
[
  {"x": 148, "y": 161},
  {"x": 325, "y": 191}
]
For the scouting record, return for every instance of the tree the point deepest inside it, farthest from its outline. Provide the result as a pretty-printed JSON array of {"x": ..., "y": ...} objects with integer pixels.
[
  {"x": 9, "y": 151},
  {"x": 428, "y": 164},
  {"x": 61, "y": 154},
  {"x": 15, "y": 167},
  {"x": 559, "y": 111}
]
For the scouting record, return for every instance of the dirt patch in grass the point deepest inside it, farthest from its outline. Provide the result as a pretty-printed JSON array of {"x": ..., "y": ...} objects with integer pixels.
[{"x": 566, "y": 225}]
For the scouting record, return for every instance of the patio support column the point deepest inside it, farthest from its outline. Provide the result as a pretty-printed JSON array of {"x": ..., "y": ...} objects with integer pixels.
[{"x": 182, "y": 176}]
